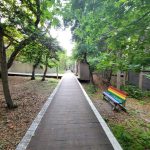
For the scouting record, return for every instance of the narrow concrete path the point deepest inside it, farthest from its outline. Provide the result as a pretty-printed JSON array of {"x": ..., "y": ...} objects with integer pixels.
[{"x": 69, "y": 122}]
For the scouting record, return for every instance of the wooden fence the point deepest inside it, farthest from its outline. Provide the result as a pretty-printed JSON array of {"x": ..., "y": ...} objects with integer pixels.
[{"x": 139, "y": 79}]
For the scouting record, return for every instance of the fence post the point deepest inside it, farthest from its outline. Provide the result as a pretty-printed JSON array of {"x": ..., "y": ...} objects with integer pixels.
[
  {"x": 118, "y": 79},
  {"x": 140, "y": 80}
]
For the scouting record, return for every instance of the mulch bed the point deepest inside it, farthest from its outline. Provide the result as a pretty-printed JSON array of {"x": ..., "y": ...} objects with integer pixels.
[{"x": 30, "y": 96}]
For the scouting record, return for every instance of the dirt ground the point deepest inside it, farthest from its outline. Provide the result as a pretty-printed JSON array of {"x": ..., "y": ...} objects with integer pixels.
[
  {"x": 30, "y": 97},
  {"x": 140, "y": 109}
]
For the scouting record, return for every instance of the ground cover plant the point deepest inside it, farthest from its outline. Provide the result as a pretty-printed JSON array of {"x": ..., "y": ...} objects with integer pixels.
[{"x": 135, "y": 92}]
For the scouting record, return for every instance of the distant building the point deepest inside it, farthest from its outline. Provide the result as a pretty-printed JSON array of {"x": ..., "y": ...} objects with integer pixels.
[{"x": 83, "y": 71}]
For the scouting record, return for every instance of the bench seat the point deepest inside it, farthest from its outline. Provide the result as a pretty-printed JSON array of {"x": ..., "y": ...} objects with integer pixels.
[
  {"x": 118, "y": 97},
  {"x": 114, "y": 98}
]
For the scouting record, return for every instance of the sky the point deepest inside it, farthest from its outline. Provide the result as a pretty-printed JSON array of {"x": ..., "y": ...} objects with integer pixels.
[{"x": 64, "y": 37}]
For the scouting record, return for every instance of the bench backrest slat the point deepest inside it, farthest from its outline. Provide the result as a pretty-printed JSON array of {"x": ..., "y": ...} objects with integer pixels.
[{"x": 117, "y": 92}]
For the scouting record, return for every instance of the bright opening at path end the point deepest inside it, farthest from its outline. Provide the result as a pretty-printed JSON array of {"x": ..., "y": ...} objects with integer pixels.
[{"x": 64, "y": 37}]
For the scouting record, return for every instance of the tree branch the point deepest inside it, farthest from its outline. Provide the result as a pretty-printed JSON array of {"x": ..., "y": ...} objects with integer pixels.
[
  {"x": 18, "y": 48},
  {"x": 38, "y": 13},
  {"x": 30, "y": 5},
  {"x": 139, "y": 19},
  {"x": 10, "y": 38},
  {"x": 6, "y": 47}
]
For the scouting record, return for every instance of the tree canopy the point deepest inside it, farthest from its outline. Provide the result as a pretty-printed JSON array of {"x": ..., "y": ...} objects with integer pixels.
[
  {"x": 113, "y": 34},
  {"x": 24, "y": 25},
  {"x": 26, "y": 21}
]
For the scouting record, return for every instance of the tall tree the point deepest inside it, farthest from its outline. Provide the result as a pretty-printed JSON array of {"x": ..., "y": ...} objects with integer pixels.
[
  {"x": 31, "y": 19},
  {"x": 112, "y": 28},
  {"x": 4, "y": 74}
]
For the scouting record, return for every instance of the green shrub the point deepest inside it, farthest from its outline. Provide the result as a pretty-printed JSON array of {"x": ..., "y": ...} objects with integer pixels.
[
  {"x": 147, "y": 93},
  {"x": 91, "y": 89},
  {"x": 133, "y": 91}
]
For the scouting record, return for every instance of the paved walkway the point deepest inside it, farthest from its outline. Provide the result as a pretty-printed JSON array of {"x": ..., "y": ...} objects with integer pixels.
[{"x": 69, "y": 123}]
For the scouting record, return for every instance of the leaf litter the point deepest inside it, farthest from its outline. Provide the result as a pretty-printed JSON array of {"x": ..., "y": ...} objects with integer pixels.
[{"x": 30, "y": 96}]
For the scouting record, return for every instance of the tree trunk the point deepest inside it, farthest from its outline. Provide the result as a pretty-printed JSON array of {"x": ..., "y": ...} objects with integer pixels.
[
  {"x": 57, "y": 71},
  {"x": 109, "y": 77},
  {"x": 0, "y": 69},
  {"x": 4, "y": 73},
  {"x": 91, "y": 77},
  {"x": 106, "y": 77},
  {"x": 33, "y": 70},
  {"x": 76, "y": 66},
  {"x": 45, "y": 71}
]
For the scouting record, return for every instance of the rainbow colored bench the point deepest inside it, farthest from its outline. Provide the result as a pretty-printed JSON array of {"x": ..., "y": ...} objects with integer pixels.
[{"x": 116, "y": 97}]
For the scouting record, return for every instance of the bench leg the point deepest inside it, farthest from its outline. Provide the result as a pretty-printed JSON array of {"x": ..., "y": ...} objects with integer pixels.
[
  {"x": 104, "y": 97},
  {"x": 123, "y": 104},
  {"x": 116, "y": 107}
]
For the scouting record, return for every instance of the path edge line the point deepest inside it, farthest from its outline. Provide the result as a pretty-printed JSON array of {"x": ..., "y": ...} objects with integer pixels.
[
  {"x": 104, "y": 125},
  {"x": 31, "y": 130}
]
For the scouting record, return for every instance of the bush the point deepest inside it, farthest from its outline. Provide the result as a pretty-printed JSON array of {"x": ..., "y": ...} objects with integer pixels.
[
  {"x": 91, "y": 89},
  {"x": 133, "y": 91},
  {"x": 147, "y": 93}
]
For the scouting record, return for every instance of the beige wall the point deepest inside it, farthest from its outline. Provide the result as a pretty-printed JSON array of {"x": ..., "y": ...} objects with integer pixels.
[{"x": 27, "y": 68}]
